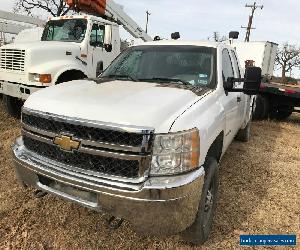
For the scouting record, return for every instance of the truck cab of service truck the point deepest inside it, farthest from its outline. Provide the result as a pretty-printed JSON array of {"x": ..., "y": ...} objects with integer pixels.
[
  {"x": 71, "y": 47},
  {"x": 143, "y": 141}
]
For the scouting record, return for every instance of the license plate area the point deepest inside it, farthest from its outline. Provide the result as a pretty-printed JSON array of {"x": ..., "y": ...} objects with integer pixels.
[{"x": 70, "y": 192}]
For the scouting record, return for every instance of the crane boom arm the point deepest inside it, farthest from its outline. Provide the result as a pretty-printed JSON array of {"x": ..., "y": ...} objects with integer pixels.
[{"x": 109, "y": 9}]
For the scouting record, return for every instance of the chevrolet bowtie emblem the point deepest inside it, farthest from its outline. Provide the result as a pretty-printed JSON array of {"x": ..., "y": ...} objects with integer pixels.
[{"x": 66, "y": 143}]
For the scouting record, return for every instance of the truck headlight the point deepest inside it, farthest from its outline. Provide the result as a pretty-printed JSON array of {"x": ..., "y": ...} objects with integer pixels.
[
  {"x": 175, "y": 153},
  {"x": 43, "y": 78}
]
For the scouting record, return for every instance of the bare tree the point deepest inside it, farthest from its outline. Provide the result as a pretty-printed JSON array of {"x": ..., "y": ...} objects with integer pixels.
[
  {"x": 54, "y": 7},
  {"x": 288, "y": 57}
]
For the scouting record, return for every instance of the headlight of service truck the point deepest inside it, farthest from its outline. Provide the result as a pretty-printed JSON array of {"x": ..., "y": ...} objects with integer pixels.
[
  {"x": 43, "y": 78},
  {"x": 175, "y": 153}
]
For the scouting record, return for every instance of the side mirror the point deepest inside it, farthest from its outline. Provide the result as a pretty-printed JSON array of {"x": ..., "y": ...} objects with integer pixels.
[
  {"x": 252, "y": 80},
  {"x": 108, "y": 47},
  {"x": 108, "y": 38}
]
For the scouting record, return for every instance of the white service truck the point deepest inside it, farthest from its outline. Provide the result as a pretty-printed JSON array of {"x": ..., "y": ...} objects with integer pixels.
[
  {"x": 72, "y": 47},
  {"x": 142, "y": 142}
]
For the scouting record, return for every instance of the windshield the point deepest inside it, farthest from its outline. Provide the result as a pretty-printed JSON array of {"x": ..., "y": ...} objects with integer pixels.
[
  {"x": 71, "y": 30},
  {"x": 191, "y": 65}
]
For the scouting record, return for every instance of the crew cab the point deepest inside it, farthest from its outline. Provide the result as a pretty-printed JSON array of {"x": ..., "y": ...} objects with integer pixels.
[{"x": 143, "y": 141}]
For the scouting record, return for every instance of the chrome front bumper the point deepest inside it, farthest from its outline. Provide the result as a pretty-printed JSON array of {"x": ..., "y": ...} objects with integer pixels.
[{"x": 158, "y": 206}]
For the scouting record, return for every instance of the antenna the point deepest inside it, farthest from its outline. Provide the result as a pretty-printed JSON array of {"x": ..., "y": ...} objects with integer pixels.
[{"x": 254, "y": 7}]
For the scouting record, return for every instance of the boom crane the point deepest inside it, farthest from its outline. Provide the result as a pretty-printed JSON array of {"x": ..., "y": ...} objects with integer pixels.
[{"x": 108, "y": 9}]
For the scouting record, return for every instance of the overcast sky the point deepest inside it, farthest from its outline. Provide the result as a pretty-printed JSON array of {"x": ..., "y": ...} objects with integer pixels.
[{"x": 279, "y": 21}]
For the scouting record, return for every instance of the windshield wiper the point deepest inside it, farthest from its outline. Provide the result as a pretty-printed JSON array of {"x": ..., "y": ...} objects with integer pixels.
[
  {"x": 123, "y": 77},
  {"x": 162, "y": 79}
]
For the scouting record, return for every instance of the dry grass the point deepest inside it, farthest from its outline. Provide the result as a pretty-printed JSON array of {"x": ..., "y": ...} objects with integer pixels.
[{"x": 259, "y": 194}]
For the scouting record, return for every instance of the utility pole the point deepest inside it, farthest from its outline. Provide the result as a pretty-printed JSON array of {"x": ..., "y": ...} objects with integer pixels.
[
  {"x": 249, "y": 27},
  {"x": 148, "y": 14},
  {"x": 2, "y": 34},
  {"x": 216, "y": 36}
]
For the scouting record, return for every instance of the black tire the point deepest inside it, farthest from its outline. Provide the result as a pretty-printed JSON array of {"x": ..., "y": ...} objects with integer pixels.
[
  {"x": 13, "y": 106},
  {"x": 244, "y": 134},
  {"x": 262, "y": 108},
  {"x": 199, "y": 231}
]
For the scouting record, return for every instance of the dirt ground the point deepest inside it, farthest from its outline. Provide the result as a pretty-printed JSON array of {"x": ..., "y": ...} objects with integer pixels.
[{"x": 259, "y": 194}]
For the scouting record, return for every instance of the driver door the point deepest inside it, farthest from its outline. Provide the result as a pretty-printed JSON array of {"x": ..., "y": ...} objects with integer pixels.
[
  {"x": 97, "y": 56},
  {"x": 231, "y": 100}
]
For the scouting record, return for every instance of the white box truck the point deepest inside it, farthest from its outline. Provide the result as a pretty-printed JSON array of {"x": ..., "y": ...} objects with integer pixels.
[{"x": 259, "y": 54}]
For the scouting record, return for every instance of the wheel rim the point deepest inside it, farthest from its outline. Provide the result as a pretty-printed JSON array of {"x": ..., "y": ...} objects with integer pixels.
[{"x": 209, "y": 204}]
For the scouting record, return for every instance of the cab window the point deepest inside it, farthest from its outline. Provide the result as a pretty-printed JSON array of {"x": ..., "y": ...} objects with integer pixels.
[
  {"x": 227, "y": 65},
  {"x": 97, "y": 35},
  {"x": 236, "y": 64}
]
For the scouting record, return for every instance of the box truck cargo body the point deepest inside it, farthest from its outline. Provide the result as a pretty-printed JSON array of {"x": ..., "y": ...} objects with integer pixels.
[{"x": 262, "y": 54}]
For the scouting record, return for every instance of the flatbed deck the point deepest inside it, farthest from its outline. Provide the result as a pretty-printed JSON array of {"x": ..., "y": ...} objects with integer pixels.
[{"x": 277, "y": 101}]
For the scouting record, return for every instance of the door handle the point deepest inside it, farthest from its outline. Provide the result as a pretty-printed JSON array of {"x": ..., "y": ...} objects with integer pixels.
[{"x": 238, "y": 99}]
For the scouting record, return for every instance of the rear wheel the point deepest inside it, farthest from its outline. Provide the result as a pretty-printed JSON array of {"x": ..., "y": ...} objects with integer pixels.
[
  {"x": 262, "y": 108},
  {"x": 199, "y": 232},
  {"x": 13, "y": 106}
]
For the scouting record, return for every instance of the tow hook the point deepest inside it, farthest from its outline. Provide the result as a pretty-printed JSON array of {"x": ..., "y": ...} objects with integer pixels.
[
  {"x": 39, "y": 194},
  {"x": 114, "y": 222}
]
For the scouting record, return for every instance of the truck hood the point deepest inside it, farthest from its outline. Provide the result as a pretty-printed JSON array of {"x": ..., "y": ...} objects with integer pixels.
[
  {"x": 42, "y": 45},
  {"x": 119, "y": 102},
  {"x": 39, "y": 52}
]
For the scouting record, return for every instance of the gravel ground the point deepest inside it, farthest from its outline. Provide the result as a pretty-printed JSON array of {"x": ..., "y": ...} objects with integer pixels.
[{"x": 259, "y": 194}]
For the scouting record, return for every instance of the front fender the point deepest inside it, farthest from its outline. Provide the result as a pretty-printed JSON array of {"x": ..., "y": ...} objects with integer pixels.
[
  {"x": 57, "y": 68},
  {"x": 208, "y": 116}
]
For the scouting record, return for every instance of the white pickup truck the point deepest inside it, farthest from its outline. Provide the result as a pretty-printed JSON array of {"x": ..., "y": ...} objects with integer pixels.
[{"x": 143, "y": 141}]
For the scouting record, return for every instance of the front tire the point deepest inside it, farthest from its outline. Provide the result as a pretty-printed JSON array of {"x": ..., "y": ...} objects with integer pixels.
[
  {"x": 261, "y": 110},
  {"x": 13, "y": 106},
  {"x": 199, "y": 231}
]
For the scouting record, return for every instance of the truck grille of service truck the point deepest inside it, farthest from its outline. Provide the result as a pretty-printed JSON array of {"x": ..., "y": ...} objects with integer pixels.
[
  {"x": 12, "y": 59},
  {"x": 102, "y": 150}
]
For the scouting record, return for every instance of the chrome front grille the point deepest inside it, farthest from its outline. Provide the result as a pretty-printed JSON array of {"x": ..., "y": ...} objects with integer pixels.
[
  {"x": 12, "y": 59},
  {"x": 85, "y": 132},
  {"x": 95, "y": 163},
  {"x": 105, "y": 150}
]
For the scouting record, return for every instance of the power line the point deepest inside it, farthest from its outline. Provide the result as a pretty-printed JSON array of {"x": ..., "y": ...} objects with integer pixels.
[{"x": 254, "y": 7}]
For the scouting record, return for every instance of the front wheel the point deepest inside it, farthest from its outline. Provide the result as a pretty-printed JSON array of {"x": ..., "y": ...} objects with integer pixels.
[
  {"x": 13, "y": 106},
  {"x": 199, "y": 231}
]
